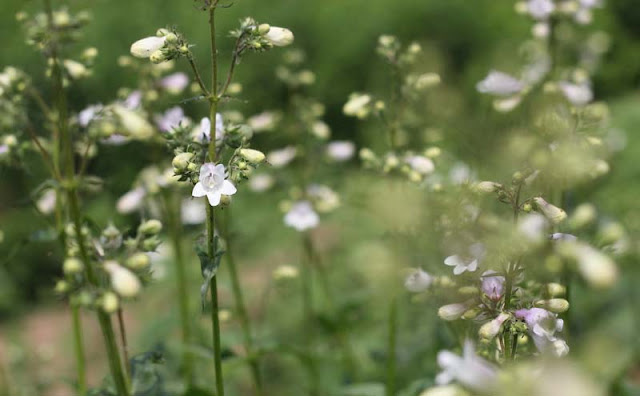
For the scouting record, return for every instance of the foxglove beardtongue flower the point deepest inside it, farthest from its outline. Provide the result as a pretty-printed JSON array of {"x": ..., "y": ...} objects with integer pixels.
[
  {"x": 453, "y": 311},
  {"x": 540, "y": 9},
  {"x": 302, "y": 216},
  {"x": 596, "y": 267},
  {"x": 533, "y": 227},
  {"x": 89, "y": 114},
  {"x": 418, "y": 281},
  {"x": 131, "y": 201},
  {"x": 542, "y": 326},
  {"x": 170, "y": 119},
  {"x": 212, "y": 183},
  {"x": 493, "y": 285},
  {"x": 420, "y": 164},
  {"x": 175, "y": 83},
  {"x": 143, "y": 48},
  {"x": 577, "y": 94},
  {"x": 281, "y": 157},
  {"x": 133, "y": 123},
  {"x": 551, "y": 212},
  {"x": 469, "y": 370},
  {"x": 492, "y": 328},
  {"x": 205, "y": 128},
  {"x": 341, "y": 150},
  {"x": 123, "y": 281},
  {"x": 462, "y": 264},
  {"x": 500, "y": 84},
  {"x": 261, "y": 182},
  {"x": 280, "y": 37}
]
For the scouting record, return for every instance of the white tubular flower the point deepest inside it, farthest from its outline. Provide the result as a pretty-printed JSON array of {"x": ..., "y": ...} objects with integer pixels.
[
  {"x": 452, "y": 311},
  {"x": 252, "y": 156},
  {"x": 261, "y": 182},
  {"x": 89, "y": 114},
  {"x": 540, "y": 9},
  {"x": 418, "y": 281},
  {"x": 175, "y": 83},
  {"x": 134, "y": 124},
  {"x": 493, "y": 285},
  {"x": 123, "y": 281},
  {"x": 302, "y": 216},
  {"x": 597, "y": 268},
  {"x": 357, "y": 105},
  {"x": 204, "y": 133},
  {"x": 264, "y": 121},
  {"x": 341, "y": 150},
  {"x": 281, "y": 157},
  {"x": 469, "y": 370},
  {"x": 551, "y": 212},
  {"x": 533, "y": 227},
  {"x": 542, "y": 326},
  {"x": 491, "y": 329},
  {"x": 213, "y": 183},
  {"x": 576, "y": 94},
  {"x": 75, "y": 69},
  {"x": 420, "y": 164},
  {"x": 280, "y": 37},
  {"x": 170, "y": 119},
  {"x": 500, "y": 84},
  {"x": 143, "y": 48},
  {"x": 469, "y": 263},
  {"x": 324, "y": 198},
  {"x": 47, "y": 202},
  {"x": 131, "y": 201}
]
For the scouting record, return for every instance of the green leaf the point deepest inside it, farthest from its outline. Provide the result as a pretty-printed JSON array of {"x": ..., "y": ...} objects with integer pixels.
[
  {"x": 146, "y": 380},
  {"x": 209, "y": 267}
]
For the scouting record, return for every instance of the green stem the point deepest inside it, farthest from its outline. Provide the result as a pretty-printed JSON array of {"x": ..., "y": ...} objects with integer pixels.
[
  {"x": 390, "y": 388},
  {"x": 240, "y": 304},
  {"x": 78, "y": 346},
  {"x": 123, "y": 340},
  {"x": 307, "y": 312}
]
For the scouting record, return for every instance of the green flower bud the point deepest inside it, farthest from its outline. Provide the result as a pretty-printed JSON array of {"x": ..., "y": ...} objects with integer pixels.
[
  {"x": 61, "y": 287},
  {"x": 555, "y": 305},
  {"x": 181, "y": 161},
  {"x": 556, "y": 289},
  {"x": 138, "y": 261},
  {"x": 109, "y": 302},
  {"x": 171, "y": 38},
  {"x": 157, "y": 57},
  {"x": 253, "y": 156},
  {"x": 72, "y": 265},
  {"x": 150, "y": 227},
  {"x": 487, "y": 187},
  {"x": 264, "y": 29}
]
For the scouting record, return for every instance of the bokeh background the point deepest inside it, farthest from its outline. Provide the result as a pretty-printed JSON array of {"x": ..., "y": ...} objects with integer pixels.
[{"x": 462, "y": 41}]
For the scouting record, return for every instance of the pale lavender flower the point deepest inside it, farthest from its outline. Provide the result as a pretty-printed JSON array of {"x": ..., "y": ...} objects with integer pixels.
[
  {"x": 281, "y": 157},
  {"x": 418, "y": 281},
  {"x": 4, "y": 149},
  {"x": 543, "y": 326},
  {"x": 500, "y": 84},
  {"x": 577, "y": 94},
  {"x": 466, "y": 263},
  {"x": 175, "y": 83},
  {"x": 340, "y": 150},
  {"x": 493, "y": 285},
  {"x": 302, "y": 216},
  {"x": 205, "y": 128},
  {"x": 89, "y": 114},
  {"x": 133, "y": 101},
  {"x": 213, "y": 184},
  {"x": 540, "y": 9},
  {"x": 170, "y": 119},
  {"x": 469, "y": 370}
]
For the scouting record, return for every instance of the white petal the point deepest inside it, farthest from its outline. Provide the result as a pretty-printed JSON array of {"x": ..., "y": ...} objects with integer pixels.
[
  {"x": 228, "y": 188},
  {"x": 214, "y": 198},
  {"x": 448, "y": 359},
  {"x": 472, "y": 266},
  {"x": 444, "y": 377},
  {"x": 198, "y": 190},
  {"x": 453, "y": 261},
  {"x": 459, "y": 269}
]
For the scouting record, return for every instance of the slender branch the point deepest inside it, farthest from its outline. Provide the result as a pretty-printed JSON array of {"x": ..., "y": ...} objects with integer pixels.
[
  {"x": 196, "y": 74},
  {"x": 237, "y": 50},
  {"x": 43, "y": 152}
]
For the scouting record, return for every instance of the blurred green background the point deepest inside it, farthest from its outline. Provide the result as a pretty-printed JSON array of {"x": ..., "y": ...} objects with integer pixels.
[{"x": 463, "y": 39}]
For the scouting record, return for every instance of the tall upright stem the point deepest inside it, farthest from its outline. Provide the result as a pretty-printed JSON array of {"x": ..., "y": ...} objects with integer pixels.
[
  {"x": 307, "y": 312},
  {"x": 240, "y": 304},
  {"x": 78, "y": 348},
  {"x": 211, "y": 242},
  {"x": 390, "y": 388}
]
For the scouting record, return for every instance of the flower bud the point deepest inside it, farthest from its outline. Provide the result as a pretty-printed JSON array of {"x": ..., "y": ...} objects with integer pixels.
[
  {"x": 264, "y": 28},
  {"x": 367, "y": 155},
  {"x": 597, "y": 268},
  {"x": 171, "y": 38},
  {"x": 357, "y": 105},
  {"x": 556, "y": 289},
  {"x": 134, "y": 124},
  {"x": 285, "y": 272},
  {"x": 280, "y": 37},
  {"x": 75, "y": 69},
  {"x": 487, "y": 187},
  {"x": 157, "y": 57},
  {"x": 72, "y": 265},
  {"x": 143, "y": 48},
  {"x": 61, "y": 287},
  {"x": 253, "y": 156},
  {"x": 555, "y": 305},
  {"x": 138, "y": 261},
  {"x": 181, "y": 161},
  {"x": 551, "y": 212},
  {"x": 611, "y": 233},
  {"x": 150, "y": 227},
  {"x": 452, "y": 311},
  {"x": 109, "y": 302},
  {"x": 123, "y": 281},
  {"x": 492, "y": 328}
]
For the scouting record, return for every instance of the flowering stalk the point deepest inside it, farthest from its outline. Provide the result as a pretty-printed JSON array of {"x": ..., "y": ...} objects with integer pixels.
[
  {"x": 78, "y": 347},
  {"x": 307, "y": 312}
]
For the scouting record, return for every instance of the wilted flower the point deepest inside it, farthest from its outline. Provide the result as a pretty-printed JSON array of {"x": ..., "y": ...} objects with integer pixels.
[
  {"x": 500, "y": 84},
  {"x": 341, "y": 150},
  {"x": 302, "y": 216},
  {"x": 281, "y": 157},
  {"x": 418, "y": 281},
  {"x": 145, "y": 47},
  {"x": 213, "y": 183},
  {"x": 493, "y": 285},
  {"x": 470, "y": 370},
  {"x": 542, "y": 326}
]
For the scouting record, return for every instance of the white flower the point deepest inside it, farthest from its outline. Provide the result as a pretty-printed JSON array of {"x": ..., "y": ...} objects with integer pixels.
[
  {"x": 533, "y": 227},
  {"x": 47, "y": 202},
  {"x": 281, "y": 157},
  {"x": 542, "y": 326},
  {"x": 89, "y": 114},
  {"x": 541, "y": 30},
  {"x": 133, "y": 124},
  {"x": 213, "y": 184},
  {"x": 264, "y": 121},
  {"x": 453, "y": 311},
  {"x": 444, "y": 390},
  {"x": 418, "y": 281},
  {"x": 321, "y": 130},
  {"x": 123, "y": 281},
  {"x": 204, "y": 133},
  {"x": 500, "y": 84},
  {"x": 491, "y": 329},
  {"x": 170, "y": 119},
  {"x": 357, "y": 105},
  {"x": 134, "y": 100},
  {"x": 302, "y": 216},
  {"x": 577, "y": 94},
  {"x": 192, "y": 212},
  {"x": 261, "y": 182},
  {"x": 131, "y": 201},
  {"x": 280, "y": 37},
  {"x": 540, "y": 9},
  {"x": 598, "y": 269},
  {"x": 460, "y": 173},
  {"x": 469, "y": 370},
  {"x": 324, "y": 198},
  {"x": 143, "y": 48},
  {"x": 469, "y": 263},
  {"x": 420, "y": 164},
  {"x": 507, "y": 104},
  {"x": 75, "y": 69},
  {"x": 341, "y": 150},
  {"x": 559, "y": 236},
  {"x": 551, "y": 212},
  {"x": 175, "y": 83}
]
